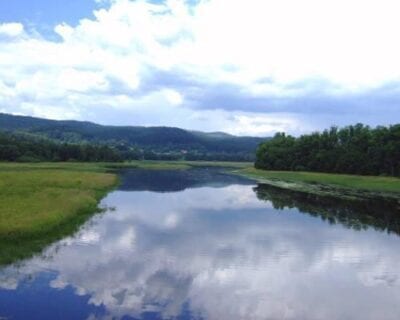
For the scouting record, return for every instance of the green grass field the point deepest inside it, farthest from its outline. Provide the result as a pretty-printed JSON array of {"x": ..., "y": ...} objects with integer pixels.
[
  {"x": 41, "y": 205},
  {"x": 37, "y": 200},
  {"x": 313, "y": 181},
  {"x": 94, "y": 166}
]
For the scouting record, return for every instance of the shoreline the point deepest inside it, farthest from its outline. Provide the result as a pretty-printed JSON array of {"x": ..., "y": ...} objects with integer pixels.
[
  {"x": 44, "y": 202},
  {"x": 39, "y": 207},
  {"x": 347, "y": 187}
]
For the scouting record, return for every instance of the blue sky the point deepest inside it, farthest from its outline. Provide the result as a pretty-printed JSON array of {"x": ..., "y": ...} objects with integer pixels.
[
  {"x": 45, "y": 14},
  {"x": 257, "y": 68}
]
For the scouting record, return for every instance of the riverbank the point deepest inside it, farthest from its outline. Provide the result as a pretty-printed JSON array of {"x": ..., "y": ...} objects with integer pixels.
[
  {"x": 42, "y": 205},
  {"x": 43, "y": 202},
  {"x": 337, "y": 185},
  {"x": 37, "y": 198}
]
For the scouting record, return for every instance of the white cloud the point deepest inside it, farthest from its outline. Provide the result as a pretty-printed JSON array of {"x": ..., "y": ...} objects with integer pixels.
[
  {"x": 11, "y": 29},
  {"x": 173, "y": 97},
  {"x": 264, "y": 125},
  {"x": 264, "y": 49}
]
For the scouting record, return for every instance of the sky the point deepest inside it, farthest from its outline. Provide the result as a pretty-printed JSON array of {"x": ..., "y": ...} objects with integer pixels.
[{"x": 246, "y": 67}]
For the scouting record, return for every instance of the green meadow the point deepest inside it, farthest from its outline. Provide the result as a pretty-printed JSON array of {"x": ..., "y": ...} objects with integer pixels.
[
  {"x": 341, "y": 185},
  {"x": 40, "y": 205}
]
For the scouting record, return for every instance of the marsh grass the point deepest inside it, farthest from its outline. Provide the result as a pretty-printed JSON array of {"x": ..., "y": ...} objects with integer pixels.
[
  {"x": 114, "y": 166},
  {"x": 94, "y": 166},
  {"x": 41, "y": 205},
  {"x": 152, "y": 165},
  {"x": 323, "y": 181},
  {"x": 177, "y": 165}
]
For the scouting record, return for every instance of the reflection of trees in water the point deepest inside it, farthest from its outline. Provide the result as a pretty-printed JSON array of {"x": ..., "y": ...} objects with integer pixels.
[
  {"x": 380, "y": 214},
  {"x": 177, "y": 180}
]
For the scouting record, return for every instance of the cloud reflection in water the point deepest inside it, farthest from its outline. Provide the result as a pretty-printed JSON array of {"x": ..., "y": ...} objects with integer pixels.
[{"x": 224, "y": 254}]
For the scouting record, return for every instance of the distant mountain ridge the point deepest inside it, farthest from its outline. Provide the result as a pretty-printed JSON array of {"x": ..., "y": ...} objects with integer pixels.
[{"x": 137, "y": 141}]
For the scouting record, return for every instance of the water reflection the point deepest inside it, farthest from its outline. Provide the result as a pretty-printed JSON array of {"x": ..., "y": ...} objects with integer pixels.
[
  {"x": 209, "y": 253},
  {"x": 178, "y": 180},
  {"x": 380, "y": 214}
]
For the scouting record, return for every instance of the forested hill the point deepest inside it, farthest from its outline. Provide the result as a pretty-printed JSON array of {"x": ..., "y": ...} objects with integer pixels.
[
  {"x": 354, "y": 149},
  {"x": 137, "y": 142}
]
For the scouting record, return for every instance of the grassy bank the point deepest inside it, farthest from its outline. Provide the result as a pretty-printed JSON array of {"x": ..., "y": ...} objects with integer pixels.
[
  {"x": 41, "y": 205},
  {"x": 43, "y": 202},
  {"x": 340, "y": 185},
  {"x": 113, "y": 166},
  {"x": 96, "y": 167},
  {"x": 176, "y": 165}
]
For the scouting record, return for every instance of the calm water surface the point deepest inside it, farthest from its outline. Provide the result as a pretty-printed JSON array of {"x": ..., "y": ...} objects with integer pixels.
[{"x": 201, "y": 244}]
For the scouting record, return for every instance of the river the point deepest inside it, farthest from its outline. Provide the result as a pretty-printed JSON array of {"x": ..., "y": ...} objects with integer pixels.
[{"x": 204, "y": 244}]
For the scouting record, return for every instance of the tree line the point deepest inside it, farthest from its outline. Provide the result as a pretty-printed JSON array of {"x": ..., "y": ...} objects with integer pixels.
[
  {"x": 356, "y": 149},
  {"x": 24, "y": 148}
]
